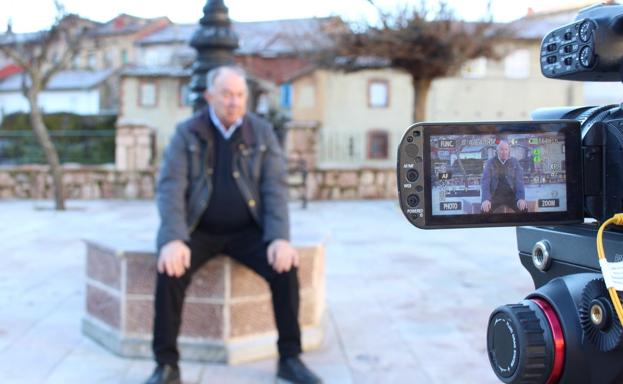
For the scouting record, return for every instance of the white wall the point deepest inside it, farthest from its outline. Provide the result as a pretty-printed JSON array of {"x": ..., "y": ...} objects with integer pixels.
[
  {"x": 155, "y": 55},
  {"x": 79, "y": 102},
  {"x": 12, "y": 102},
  {"x": 601, "y": 93}
]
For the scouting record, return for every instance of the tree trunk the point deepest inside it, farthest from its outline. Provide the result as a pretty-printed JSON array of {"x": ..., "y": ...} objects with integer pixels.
[
  {"x": 51, "y": 156},
  {"x": 421, "y": 87}
]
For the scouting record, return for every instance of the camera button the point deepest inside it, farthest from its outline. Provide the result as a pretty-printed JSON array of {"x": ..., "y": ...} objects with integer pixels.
[
  {"x": 412, "y": 150},
  {"x": 412, "y": 175},
  {"x": 413, "y": 200}
]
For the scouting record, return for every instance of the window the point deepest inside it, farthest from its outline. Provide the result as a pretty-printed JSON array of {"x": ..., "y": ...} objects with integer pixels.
[
  {"x": 262, "y": 105},
  {"x": 378, "y": 145},
  {"x": 184, "y": 94},
  {"x": 378, "y": 94},
  {"x": 286, "y": 95},
  {"x": 475, "y": 69},
  {"x": 124, "y": 57},
  {"x": 517, "y": 64},
  {"x": 91, "y": 59},
  {"x": 108, "y": 58},
  {"x": 147, "y": 95},
  {"x": 76, "y": 62}
]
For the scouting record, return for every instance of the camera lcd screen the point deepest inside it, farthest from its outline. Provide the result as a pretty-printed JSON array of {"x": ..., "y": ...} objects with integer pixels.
[
  {"x": 501, "y": 173},
  {"x": 506, "y": 174}
]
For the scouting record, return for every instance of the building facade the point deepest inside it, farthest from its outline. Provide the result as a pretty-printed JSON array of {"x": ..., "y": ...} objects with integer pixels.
[
  {"x": 76, "y": 91},
  {"x": 361, "y": 115}
]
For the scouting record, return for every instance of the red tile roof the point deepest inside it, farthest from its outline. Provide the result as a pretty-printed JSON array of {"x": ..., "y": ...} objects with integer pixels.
[{"x": 8, "y": 70}]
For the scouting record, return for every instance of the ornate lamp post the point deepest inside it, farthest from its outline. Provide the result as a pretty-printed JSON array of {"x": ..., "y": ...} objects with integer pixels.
[{"x": 215, "y": 43}]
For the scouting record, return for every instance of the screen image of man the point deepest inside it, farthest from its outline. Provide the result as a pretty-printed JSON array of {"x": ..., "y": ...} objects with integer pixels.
[
  {"x": 502, "y": 182},
  {"x": 222, "y": 190}
]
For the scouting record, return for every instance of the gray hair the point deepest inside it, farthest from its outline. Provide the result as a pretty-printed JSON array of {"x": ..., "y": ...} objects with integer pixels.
[
  {"x": 214, "y": 73},
  {"x": 500, "y": 143}
]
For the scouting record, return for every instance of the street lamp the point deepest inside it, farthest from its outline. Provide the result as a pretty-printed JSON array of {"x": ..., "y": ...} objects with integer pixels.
[{"x": 215, "y": 43}]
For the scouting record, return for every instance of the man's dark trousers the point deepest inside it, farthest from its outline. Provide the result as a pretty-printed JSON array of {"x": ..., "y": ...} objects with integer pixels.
[{"x": 248, "y": 248}]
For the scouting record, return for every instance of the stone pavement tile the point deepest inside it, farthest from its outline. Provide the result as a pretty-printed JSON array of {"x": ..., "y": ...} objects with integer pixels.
[
  {"x": 334, "y": 373},
  {"x": 330, "y": 352},
  {"x": 43, "y": 346},
  {"x": 446, "y": 354},
  {"x": 369, "y": 341},
  {"x": 264, "y": 372},
  {"x": 250, "y": 373},
  {"x": 138, "y": 371},
  {"x": 193, "y": 371},
  {"x": 26, "y": 307},
  {"x": 393, "y": 375},
  {"x": 87, "y": 364}
]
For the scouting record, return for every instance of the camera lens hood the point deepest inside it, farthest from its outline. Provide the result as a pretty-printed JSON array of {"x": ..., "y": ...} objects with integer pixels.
[{"x": 525, "y": 341}]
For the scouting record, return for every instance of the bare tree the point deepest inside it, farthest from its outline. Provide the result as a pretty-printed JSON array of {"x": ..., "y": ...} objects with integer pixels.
[
  {"x": 41, "y": 55},
  {"x": 425, "y": 44}
]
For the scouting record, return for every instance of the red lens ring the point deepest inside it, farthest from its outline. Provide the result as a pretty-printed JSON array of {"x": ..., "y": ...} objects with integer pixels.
[{"x": 558, "y": 338}]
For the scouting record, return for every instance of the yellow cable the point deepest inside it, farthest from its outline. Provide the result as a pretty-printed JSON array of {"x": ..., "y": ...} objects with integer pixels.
[{"x": 617, "y": 219}]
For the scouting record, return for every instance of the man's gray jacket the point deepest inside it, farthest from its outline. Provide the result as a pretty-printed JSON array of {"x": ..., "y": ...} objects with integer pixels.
[
  {"x": 512, "y": 172},
  {"x": 185, "y": 182}
]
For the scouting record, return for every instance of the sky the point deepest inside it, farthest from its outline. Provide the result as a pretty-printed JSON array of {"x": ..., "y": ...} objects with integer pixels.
[{"x": 33, "y": 15}]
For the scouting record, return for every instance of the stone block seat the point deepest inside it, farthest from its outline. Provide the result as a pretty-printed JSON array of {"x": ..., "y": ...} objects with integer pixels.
[{"x": 227, "y": 315}]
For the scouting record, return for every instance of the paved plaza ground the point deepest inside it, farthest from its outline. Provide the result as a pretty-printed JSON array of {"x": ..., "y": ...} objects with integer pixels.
[{"x": 403, "y": 305}]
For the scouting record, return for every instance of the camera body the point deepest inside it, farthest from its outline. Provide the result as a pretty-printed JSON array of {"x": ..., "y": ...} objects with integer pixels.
[
  {"x": 491, "y": 173},
  {"x": 566, "y": 331}
]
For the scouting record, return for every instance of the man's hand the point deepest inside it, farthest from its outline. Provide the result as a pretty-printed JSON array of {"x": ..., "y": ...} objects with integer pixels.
[
  {"x": 282, "y": 255},
  {"x": 485, "y": 206},
  {"x": 522, "y": 205},
  {"x": 174, "y": 258}
]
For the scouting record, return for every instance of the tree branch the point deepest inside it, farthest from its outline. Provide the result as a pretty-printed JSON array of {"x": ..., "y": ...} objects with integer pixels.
[{"x": 14, "y": 55}]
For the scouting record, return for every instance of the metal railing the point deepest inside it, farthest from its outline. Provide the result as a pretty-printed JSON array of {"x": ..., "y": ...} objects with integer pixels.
[
  {"x": 73, "y": 146},
  {"x": 341, "y": 147},
  {"x": 297, "y": 178}
]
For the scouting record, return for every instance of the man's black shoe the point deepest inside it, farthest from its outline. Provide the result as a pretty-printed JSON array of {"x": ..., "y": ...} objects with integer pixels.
[
  {"x": 292, "y": 370},
  {"x": 165, "y": 374}
]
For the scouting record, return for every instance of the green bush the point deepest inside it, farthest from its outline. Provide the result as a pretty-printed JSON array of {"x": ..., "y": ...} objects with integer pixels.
[
  {"x": 60, "y": 122},
  {"x": 79, "y": 139}
]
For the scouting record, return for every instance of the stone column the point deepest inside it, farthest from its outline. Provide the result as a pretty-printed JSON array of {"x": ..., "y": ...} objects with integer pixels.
[{"x": 215, "y": 43}]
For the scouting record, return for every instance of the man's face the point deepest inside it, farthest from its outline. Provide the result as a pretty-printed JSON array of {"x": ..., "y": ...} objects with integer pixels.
[
  {"x": 228, "y": 97},
  {"x": 503, "y": 151}
]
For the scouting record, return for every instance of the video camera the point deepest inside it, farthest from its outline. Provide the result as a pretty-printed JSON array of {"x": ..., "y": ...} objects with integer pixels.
[{"x": 565, "y": 167}]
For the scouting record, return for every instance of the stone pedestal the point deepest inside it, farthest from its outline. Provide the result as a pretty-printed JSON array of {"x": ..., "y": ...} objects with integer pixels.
[{"x": 227, "y": 317}]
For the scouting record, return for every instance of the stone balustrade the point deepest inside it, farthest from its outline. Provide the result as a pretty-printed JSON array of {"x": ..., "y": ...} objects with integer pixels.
[
  {"x": 106, "y": 182},
  {"x": 80, "y": 181},
  {"x": 365, "y": 183}
]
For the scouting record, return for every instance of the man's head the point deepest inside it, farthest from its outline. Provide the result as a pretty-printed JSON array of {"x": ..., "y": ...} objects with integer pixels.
[
  {"x": 503, "y": 150},
  {"x": 227, "y": 93}
]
